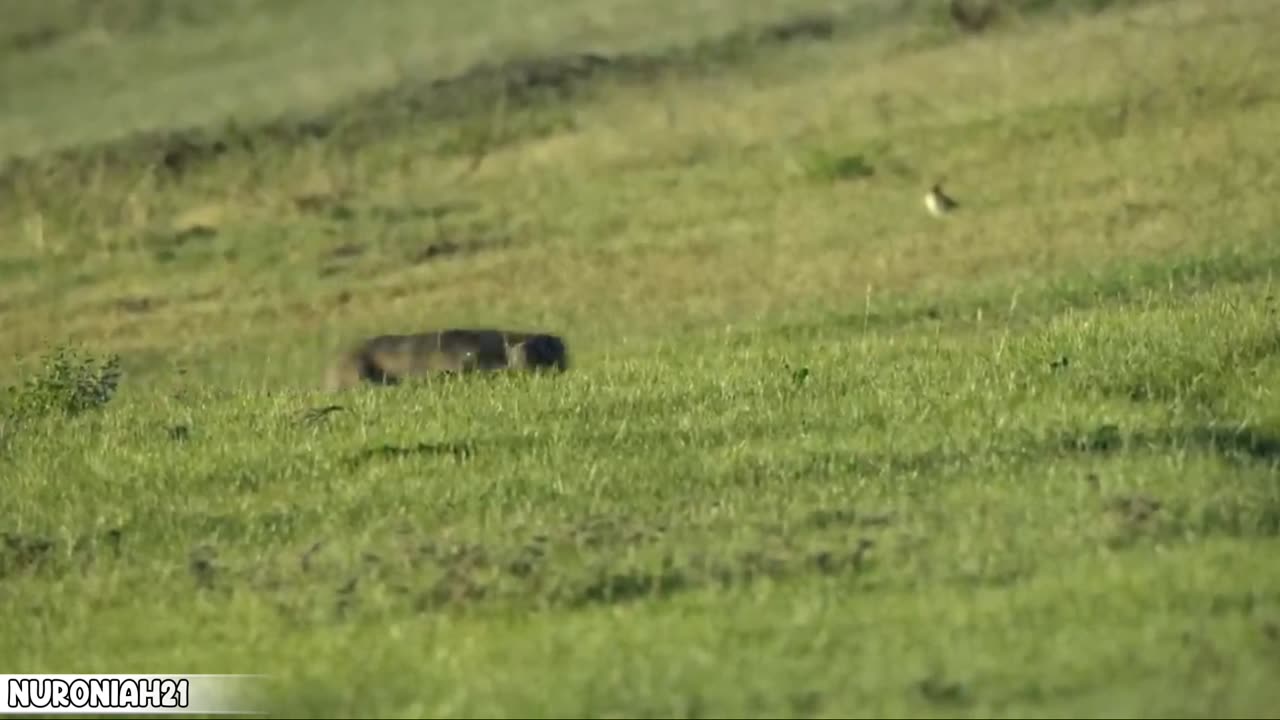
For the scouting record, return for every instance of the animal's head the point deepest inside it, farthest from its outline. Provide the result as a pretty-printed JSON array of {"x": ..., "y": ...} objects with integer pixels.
[{"x": 545, "y": 351}]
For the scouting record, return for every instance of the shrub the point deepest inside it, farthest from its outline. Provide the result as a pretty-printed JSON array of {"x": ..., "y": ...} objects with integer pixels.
[{"x": 68, "y": 383}]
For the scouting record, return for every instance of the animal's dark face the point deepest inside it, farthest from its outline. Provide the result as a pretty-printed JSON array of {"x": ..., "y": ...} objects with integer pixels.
[{"x": 546, "y": 351}]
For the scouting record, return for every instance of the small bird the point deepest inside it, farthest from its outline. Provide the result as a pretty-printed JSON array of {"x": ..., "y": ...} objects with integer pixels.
[{"x": 938, "y": 202}]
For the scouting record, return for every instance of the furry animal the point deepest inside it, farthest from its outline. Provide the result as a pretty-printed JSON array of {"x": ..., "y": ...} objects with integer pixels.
[{"x": 392, "y": 359}]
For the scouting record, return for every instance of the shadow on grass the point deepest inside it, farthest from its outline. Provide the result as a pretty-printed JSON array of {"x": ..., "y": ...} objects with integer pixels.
[
  {"x": 611, "y": 559},
  {"x": 438, "y": 575},
  {"x": 461, "y": 451},
  {"x": 1258, "y": 445},
  {"x": 525, "y": 84}
]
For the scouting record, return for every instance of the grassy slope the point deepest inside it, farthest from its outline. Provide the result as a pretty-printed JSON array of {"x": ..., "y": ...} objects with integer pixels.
[
  {"x": 819, "y": 454},
  {"x": 153, "y": 64}
]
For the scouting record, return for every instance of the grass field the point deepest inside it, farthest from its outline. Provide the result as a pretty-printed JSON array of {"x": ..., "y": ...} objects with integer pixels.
[{"x": 819, "y": 453}]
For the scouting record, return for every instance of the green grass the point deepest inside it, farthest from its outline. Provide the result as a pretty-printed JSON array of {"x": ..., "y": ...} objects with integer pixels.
[{"x": 819, "y": 454}]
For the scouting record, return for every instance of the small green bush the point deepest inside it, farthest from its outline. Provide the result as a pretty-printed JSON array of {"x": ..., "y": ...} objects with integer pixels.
[{"x": 69, "y": 382}]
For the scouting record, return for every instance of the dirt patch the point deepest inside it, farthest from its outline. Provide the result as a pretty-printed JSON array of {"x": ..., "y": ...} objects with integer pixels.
[
  {"x": 33, "y": 39},
  {"x": 347, "y": 250},
  {"x": 812, "y": 27},
  {"x": 165, "y": 245},
  {"x": 1133, "y": 508},
  {"x": 525, "y": 80},
  {"x": 940, "y": 690},
  {"x": 138, "y": 305},
  {"x": 465, "y": 238},
  {"x": 847, "y": 518},
  {"x": 459, "y": 451},
  {"x": 1252, "y": 444},
  {"x": 19, "y": 553},
  {"x": 598, "y": 560},
  {"x": 26, "y": 553},
  {"x": 338, "y": 208},
  {"x": 444, "y": 248},
  {"x": 202, "y": 567}
]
